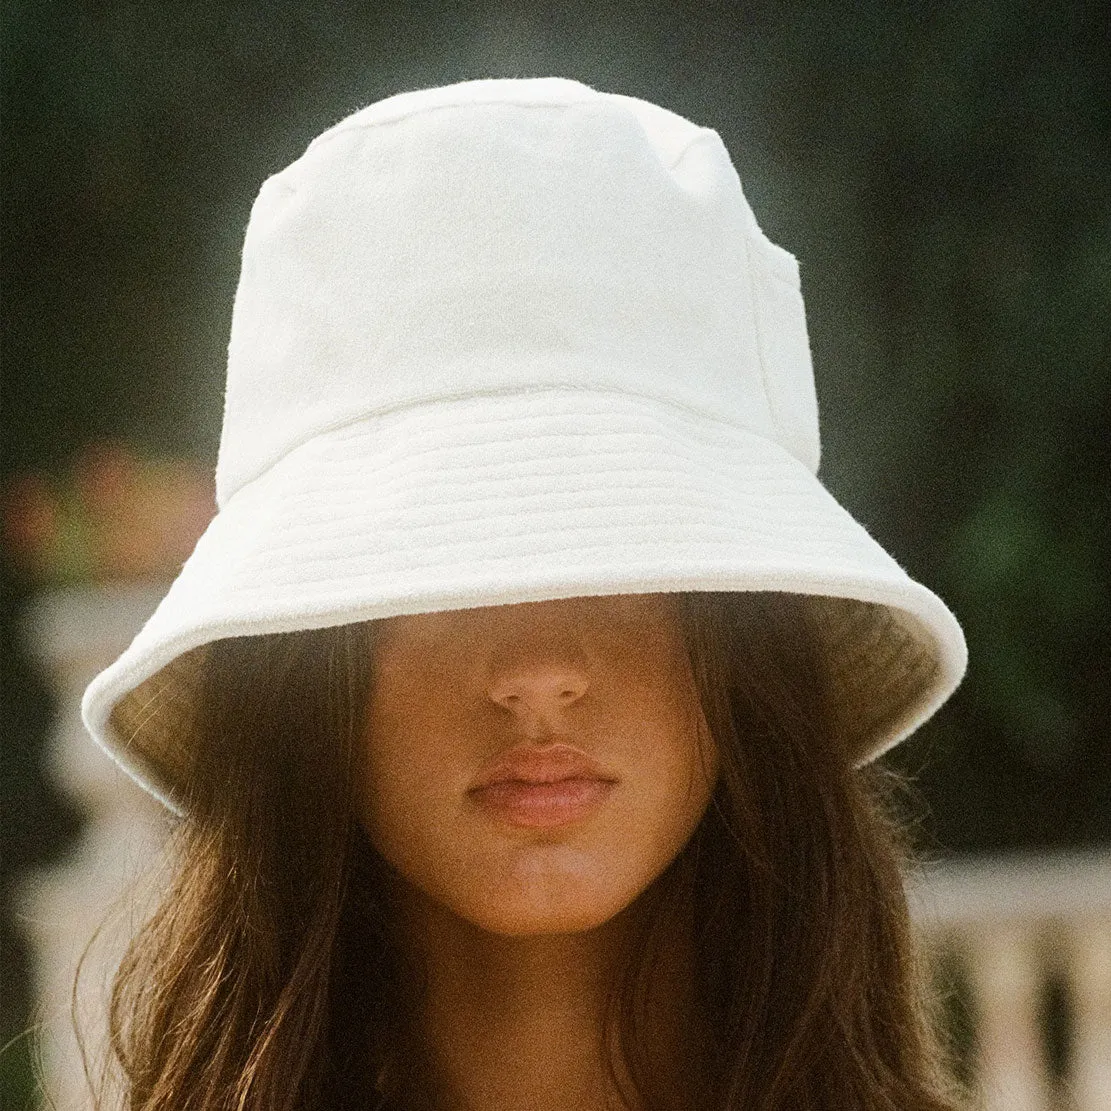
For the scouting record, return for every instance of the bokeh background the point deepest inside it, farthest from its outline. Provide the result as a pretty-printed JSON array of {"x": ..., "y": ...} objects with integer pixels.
[{"x": 940, "y": 170}]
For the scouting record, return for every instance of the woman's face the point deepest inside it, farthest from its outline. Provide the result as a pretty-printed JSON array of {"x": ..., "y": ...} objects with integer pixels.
[{"x": 534, "y": 767}]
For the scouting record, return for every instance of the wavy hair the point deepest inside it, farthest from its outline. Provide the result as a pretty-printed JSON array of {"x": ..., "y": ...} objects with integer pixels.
[{"x": 268, "y": 978}]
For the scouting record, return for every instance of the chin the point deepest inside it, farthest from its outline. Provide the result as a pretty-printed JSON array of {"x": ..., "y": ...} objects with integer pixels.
[{"x": 546, "y": 902}]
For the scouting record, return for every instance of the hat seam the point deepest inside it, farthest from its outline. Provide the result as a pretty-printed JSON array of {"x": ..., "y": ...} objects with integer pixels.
[
  {"x": 422, "y": 109},
  {"x": 483, "y": 434},
  {"x": 703, "y": 132},
  {"x": 849, "y": 539},
  {"x": 758, "y": 335},
  {"x": 509, "y": 391}
]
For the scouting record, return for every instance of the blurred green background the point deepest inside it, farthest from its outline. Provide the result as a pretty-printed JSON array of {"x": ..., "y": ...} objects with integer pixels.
[{"x": 941, "y": 170}]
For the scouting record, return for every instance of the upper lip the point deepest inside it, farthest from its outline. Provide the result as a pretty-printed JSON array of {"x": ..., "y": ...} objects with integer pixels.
[{"x": 531, "y": 763}]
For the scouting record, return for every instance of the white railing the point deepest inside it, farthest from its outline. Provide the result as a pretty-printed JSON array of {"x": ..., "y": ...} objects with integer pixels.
[
  {"x": 73, "y": 634},
  {"x": 1012, "y": 924},
  {"x": 1018, "y": 927}
]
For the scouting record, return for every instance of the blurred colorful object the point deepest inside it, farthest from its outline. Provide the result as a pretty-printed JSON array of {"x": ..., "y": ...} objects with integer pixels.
[{"x": 114, "y": 516}]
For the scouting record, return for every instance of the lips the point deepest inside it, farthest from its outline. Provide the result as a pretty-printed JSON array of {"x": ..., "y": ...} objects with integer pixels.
[
  {"x": 540, "y": 764},
  {"x": 539, "y": 787}
]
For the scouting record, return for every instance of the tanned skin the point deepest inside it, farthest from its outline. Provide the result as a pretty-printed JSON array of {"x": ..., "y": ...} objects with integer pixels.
[{"x": 522, "y": 931}]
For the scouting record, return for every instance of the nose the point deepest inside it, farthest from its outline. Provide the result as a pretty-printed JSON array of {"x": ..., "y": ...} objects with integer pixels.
[{"x": 538, "y": 690}]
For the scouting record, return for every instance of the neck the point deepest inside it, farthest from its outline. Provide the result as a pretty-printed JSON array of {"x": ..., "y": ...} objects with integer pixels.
[{"x": 507, "y": 1023}]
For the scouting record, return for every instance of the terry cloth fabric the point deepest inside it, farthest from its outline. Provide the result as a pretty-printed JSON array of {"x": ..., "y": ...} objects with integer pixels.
[{"x": 506, "y": 341}]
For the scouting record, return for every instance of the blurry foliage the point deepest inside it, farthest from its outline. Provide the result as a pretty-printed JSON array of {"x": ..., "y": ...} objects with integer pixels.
[
  {"x": 113, "y": 516},
  {"x": 939, "y": 169}
]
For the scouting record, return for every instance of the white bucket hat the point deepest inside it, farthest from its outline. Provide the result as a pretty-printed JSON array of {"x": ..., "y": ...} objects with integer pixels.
[{"x": 507, "y": 341}]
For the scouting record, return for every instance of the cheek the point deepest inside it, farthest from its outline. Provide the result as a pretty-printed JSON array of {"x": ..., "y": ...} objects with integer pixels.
[
  {"x": 394, "y": 795},
  {"x": 412, "y": 781},
  {"x": 672, "y": 773}
]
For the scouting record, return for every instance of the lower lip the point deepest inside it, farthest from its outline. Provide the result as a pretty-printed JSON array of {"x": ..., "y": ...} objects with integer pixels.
[{"x": 543, "y": 805}]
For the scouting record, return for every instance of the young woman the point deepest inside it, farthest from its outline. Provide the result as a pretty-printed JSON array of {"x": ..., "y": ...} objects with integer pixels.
[{"x": 519, "y": 705}]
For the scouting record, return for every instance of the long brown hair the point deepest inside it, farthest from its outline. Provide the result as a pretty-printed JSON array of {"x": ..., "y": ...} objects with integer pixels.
[{"x": 268, "y": 978}]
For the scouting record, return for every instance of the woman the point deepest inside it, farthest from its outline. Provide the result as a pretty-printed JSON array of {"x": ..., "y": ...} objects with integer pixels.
[{"x": 519, "y": 703}]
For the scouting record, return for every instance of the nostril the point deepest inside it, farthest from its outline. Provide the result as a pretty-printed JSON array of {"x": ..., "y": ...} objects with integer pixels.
[{"x": 537, "y": 692}]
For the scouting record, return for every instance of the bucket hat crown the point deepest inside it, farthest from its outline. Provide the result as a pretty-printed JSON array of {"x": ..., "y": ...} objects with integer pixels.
[{"x": 512, "y": 340}]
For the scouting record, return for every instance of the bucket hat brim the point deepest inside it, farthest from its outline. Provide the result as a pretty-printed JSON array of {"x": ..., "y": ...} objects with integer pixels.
[{"x": 526, "y": 496}]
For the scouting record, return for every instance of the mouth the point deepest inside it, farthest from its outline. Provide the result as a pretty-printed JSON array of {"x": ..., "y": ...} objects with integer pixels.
[{"x": 533, "y": 787}]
